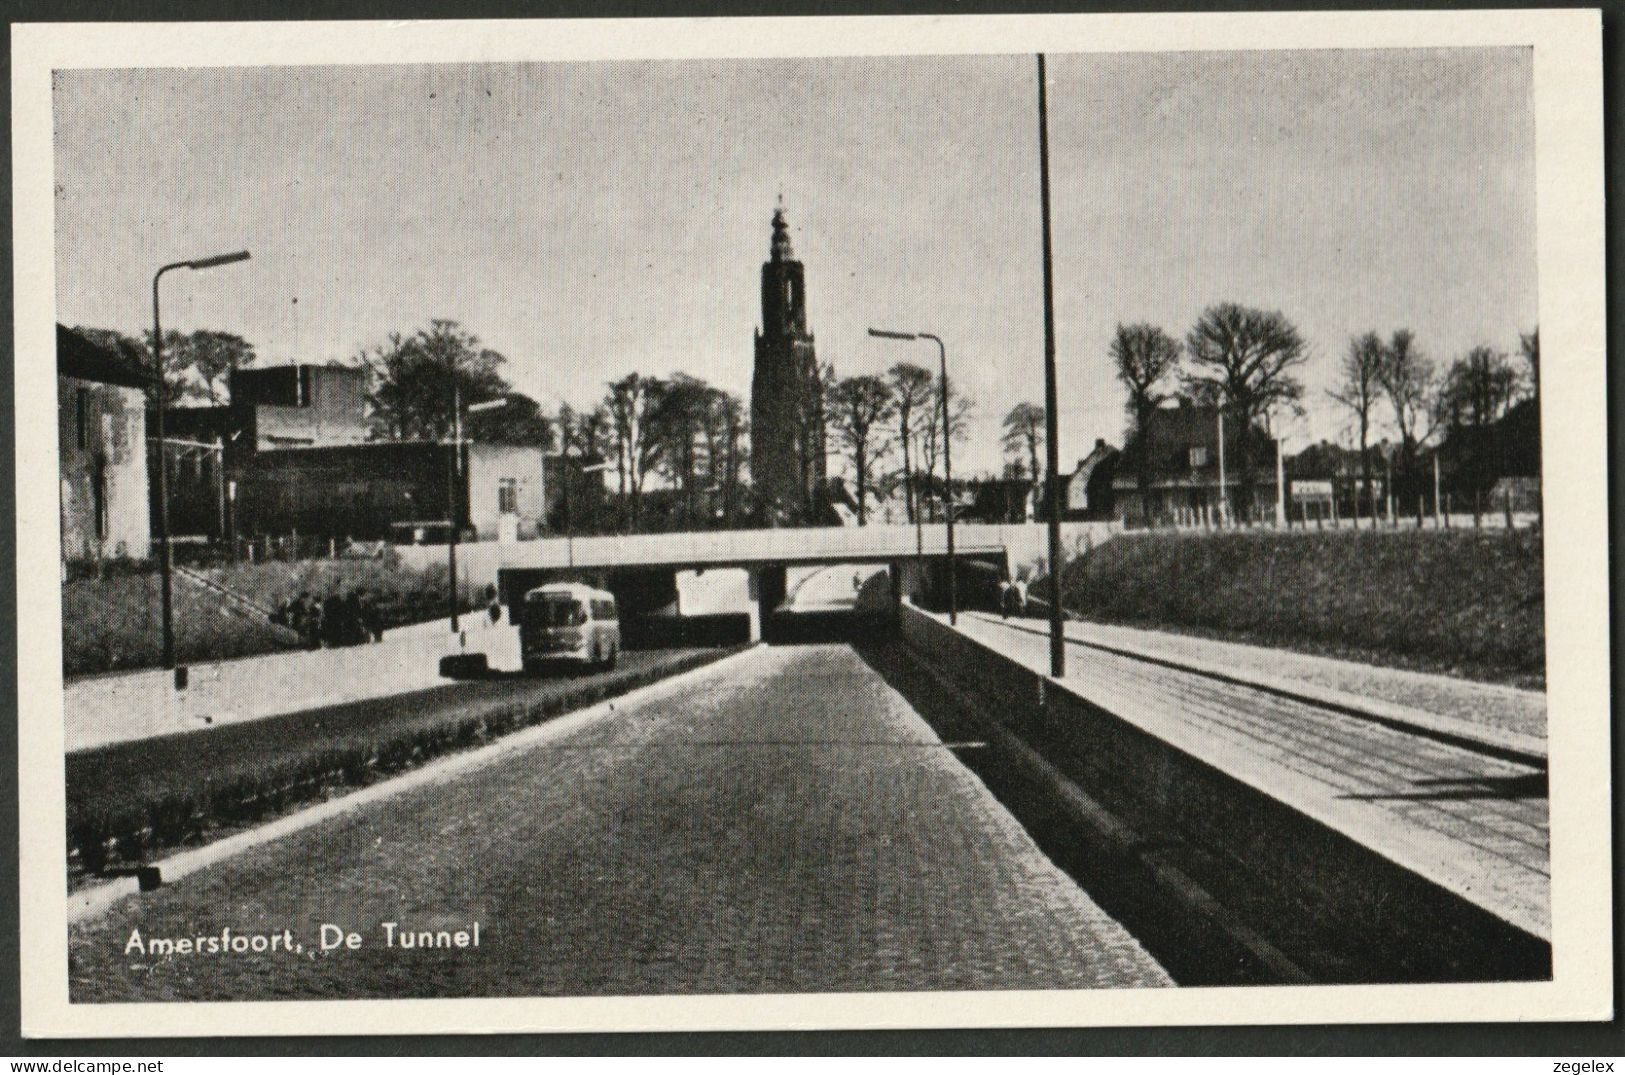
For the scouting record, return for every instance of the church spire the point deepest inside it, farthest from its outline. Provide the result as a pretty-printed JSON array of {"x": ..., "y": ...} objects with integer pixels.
[{"x": 781, "y": 235}]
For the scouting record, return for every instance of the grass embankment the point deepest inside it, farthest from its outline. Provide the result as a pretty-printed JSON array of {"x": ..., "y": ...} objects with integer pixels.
[
  {"x": 128, "y": 800},
  {"x": 1463, "y": 603},
  {"x": 111, "y": 622}
]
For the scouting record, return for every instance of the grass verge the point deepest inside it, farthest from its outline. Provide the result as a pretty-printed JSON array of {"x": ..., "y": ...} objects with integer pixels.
[
  {"x": 129, "y": 800},
  {"x": 1465, "y": 603},
  {"x": 110, "y": 621}
]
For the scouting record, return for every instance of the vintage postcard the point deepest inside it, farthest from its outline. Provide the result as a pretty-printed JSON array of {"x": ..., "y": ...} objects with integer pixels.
[{"x": 787, "y": 523}]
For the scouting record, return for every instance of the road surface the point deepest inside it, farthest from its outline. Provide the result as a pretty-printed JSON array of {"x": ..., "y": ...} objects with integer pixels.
[{"x": 788, "y": 825}]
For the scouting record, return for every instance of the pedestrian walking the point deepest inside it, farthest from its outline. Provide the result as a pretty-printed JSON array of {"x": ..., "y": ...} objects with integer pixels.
[
  {"x": 354, "y": 634},
  {"x": 332, "y": 620},
  {"x": 371, "y": 629}
]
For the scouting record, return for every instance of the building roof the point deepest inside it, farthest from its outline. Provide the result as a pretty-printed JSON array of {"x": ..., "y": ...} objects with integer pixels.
[
  {"x": 1086, "y": 466},
  {"x": 1172, "y": 431},
  {"x": 78, "y": 357}
]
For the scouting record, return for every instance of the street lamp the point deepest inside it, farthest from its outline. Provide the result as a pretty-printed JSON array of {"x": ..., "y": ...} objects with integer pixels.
[
  {"x": 454, "y": 470},
  {"x": 164, "y": 565},
  {"x": 569, "y": 517},
  {"x": 947, "y": 459}
]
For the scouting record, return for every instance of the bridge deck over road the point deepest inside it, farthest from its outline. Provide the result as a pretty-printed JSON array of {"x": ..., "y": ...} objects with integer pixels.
[{"x": 1022, "y": 543}]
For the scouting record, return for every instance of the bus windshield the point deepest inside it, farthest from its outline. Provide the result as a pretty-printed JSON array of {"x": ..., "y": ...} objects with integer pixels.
[{"x": 555, "y": 612}]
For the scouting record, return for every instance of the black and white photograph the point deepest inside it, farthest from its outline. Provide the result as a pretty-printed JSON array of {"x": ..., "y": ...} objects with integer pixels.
[{"x": 827, "y": 522}]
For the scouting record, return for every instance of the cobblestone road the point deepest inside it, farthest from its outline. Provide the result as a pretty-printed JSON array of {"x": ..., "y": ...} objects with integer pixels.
[{"x": 791, "y": 825}]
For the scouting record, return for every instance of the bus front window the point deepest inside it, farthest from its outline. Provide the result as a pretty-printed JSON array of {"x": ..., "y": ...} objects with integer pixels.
[{"x": 557, "y": 614}]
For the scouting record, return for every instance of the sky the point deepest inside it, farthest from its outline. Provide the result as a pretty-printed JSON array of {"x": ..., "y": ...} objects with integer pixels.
[{"x": 589, "y": 219}]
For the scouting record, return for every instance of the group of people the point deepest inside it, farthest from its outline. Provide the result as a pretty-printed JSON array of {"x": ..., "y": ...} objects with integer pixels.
[
  {"x": 341, "y": 619},
  {"x": 1013, "y": 597}
]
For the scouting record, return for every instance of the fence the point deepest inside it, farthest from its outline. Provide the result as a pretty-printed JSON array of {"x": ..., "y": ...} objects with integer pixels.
[{"x": 1481, "y": 512}]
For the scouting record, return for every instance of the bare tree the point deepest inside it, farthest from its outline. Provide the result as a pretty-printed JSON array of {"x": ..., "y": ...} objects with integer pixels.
[
  {"x": 1479, "y": 388},
  {"x": 1529, "y": 344},
  {"x": 1145, "y": 358},
  {"x": 569, "y": 424},
  {"x": 679, "y": 424},
  {"x": 630, "y": 402},
  {"x": 594, "y": 433},
  {"x": 1242, "y": 360},
  {"x": 1024, "y": 438},
  {"x": 911, "y": 392},
  {"x": 1410, "y": 382},
  {"x": 931, "y": 439},
  {"x": 859, "y": 407},
  {"x": 1359, "y": 391},
  {"x": 726, "y": 455}
]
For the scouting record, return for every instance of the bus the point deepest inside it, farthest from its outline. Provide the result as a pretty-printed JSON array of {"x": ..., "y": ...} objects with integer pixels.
[{"x": 570, "y": 623}]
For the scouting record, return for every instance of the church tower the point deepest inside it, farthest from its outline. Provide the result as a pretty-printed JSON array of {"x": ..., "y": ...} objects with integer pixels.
[{"x": 787, "y": 399}]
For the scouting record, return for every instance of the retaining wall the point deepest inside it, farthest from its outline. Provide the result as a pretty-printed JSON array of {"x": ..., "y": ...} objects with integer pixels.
[{"x": 1333, "y": 907}]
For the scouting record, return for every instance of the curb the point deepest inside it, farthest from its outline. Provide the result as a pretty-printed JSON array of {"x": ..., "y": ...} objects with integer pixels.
[
  {"x": 89, "y": 902},
  {"x": 1507, "y": 745}
]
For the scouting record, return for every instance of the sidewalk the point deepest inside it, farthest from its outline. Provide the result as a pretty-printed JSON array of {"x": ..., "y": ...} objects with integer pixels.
[
  {"x": 1488, "y": 707},
  {"x": 1471, "y": 823},
  {"x": 139, "y": 705}
]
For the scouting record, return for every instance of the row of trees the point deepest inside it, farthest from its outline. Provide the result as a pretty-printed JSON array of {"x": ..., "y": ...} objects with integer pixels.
[
  {"x": 1393, "y": 378},
  {"x": 1237, "y": 358},
  {"x": 888, "y": 428},
  {"x": 1246, "y": 361},
  {"x": 691, "y": 433},
  {"x": 896, "y": 418}
]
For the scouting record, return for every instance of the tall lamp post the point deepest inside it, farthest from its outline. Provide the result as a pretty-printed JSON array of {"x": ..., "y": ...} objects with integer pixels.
[
  {"x": 569, "y": 517},
  {"x": 947, "y": 460},
  {"x": 164, "y": 564},
  {"x": 1052, "y": 439}
]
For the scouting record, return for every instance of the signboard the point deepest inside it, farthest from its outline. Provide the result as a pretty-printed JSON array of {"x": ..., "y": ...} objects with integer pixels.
[{"x": 1311, "y": 490}]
